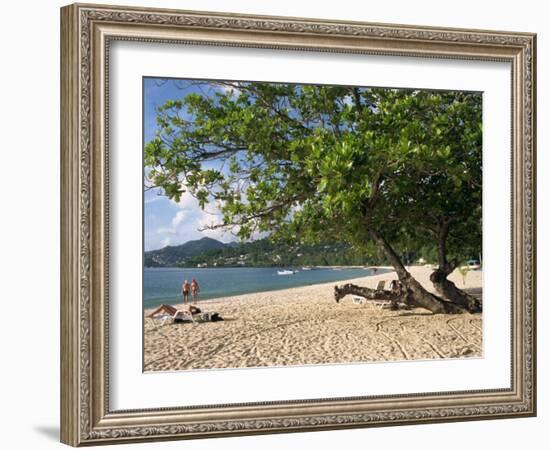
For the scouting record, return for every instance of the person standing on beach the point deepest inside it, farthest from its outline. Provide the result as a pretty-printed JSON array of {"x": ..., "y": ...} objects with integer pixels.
[
  {"x": 185, "y": 287},
  {"x": 194, "y": 289}
]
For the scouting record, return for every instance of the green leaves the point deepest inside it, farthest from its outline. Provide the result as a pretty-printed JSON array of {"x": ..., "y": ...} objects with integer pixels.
[{"x": 304, "y": 161}]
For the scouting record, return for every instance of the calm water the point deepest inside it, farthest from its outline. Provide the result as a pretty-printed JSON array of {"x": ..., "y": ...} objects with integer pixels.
[{"x": 163, "y": 285}]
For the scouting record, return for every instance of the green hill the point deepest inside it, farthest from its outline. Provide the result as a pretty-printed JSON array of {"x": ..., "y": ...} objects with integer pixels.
[
  {"x": 209, "y": 252},
  {"x": 178, "y": 254}
]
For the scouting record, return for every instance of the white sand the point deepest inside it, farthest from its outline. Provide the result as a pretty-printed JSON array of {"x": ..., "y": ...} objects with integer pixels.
[{"x": 306, "y": 326}]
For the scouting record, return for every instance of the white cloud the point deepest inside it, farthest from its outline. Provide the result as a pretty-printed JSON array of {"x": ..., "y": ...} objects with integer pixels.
[
  {"x": 179, "y": 222},
  {"x": 166, "y": 230},
  {"x": 186, "y": 222},
  {"x": 178, "y": 218},
  {"x": 186, "y": 201},
  {"x": 230, "y": 90},
  {"x": 174, "y": 223},
  {"x": 209, "y": 220},
  {"x": 154, "y": 200}
]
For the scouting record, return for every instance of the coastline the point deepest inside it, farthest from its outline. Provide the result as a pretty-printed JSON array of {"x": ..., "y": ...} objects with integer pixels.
[
  {"x": 287, "y": 293},
  {"x": 221, "y": 282},
  {"x": 304, "y": 325}
]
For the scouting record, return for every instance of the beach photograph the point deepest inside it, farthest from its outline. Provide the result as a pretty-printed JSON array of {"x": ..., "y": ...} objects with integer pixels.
[{"x": 295, "y": 224}]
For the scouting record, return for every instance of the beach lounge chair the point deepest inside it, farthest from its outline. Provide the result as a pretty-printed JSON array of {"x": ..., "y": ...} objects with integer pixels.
[
  {"x": 360, "y": 300},
  {"x": 180, "y": 316},
  {"x": 183, "y": 316},
  {"x": 380, "y": 304},
  {"x": 159, "y": 321}
]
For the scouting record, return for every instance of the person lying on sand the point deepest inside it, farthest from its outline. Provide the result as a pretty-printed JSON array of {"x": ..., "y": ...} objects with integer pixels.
[
  {"x": 184, "y": 315},
  {"x": 171, "y": 310},
  {"x": 166, "y": 309}
]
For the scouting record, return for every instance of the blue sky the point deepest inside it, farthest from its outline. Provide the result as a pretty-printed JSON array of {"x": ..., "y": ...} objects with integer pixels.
[{"x": 165, "y": 221}]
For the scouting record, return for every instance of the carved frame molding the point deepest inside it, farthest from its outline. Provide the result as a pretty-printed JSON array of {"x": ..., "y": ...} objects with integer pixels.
[{"x": 86, "y": 32}]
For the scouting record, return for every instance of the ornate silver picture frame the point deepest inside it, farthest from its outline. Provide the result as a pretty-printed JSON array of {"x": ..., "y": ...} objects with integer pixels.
[{"x": 87, "y": 32}]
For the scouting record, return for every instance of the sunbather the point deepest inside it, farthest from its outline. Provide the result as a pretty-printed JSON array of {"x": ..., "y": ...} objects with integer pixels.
[
  {"x": 186, "y": 314},
  {"x": 171, "y": 310},
  {"x": 166, "y": 309}
]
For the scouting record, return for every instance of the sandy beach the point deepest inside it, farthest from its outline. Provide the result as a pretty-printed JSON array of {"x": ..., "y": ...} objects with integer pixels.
[{"x": 305, "y": 325}]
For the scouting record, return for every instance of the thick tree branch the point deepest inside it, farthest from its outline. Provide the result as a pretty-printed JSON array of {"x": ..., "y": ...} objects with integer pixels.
[
  {"x": 365, "y": 292},
  {"x": 390, "y": 254}
]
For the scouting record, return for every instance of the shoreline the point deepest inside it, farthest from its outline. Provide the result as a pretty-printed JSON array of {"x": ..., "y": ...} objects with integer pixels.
[
  {"x": 283, "y": 291},
  {"x": 322, "y": 284},
  {"x": 304, "y": 325}
]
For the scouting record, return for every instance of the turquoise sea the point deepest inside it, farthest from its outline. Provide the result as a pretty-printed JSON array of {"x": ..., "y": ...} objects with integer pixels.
[{"x": 163, "y": 285}]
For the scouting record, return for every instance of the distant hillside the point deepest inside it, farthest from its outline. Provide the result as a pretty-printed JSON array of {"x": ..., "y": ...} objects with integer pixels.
[
  {"x": 178, "y": 254},
  {"x": 208, "y": 252}
]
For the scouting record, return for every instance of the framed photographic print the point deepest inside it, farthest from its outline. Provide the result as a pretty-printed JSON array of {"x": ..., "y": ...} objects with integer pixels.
[{"x": 276, "y": 225}]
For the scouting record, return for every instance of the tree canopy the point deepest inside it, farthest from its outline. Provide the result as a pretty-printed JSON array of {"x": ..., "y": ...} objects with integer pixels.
[{"x": 307, "y": 162}]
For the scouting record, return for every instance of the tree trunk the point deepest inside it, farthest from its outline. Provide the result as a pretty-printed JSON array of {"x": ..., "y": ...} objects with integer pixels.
[
  {"x": 395, "y": 297},
  {"x": 416, "y": 294},
  {"x": 445, "y": 287},
  {"x": 448, "y": 289},
  {"x": 365, "y": 292}
]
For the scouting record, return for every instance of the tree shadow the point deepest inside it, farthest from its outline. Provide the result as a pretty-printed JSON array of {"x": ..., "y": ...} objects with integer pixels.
[{"x": 411, "y": 313}]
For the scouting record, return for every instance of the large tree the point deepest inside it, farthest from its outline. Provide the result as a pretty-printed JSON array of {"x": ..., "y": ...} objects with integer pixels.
[
  {"x": 309, "y": 162},
  {"x": 438, "y": 197}
]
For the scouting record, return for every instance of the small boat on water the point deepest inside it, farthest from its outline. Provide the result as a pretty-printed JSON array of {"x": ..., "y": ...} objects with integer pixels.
[
  {"x": 286, "y": 272},
  {"x": 306, "y": 268}
]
